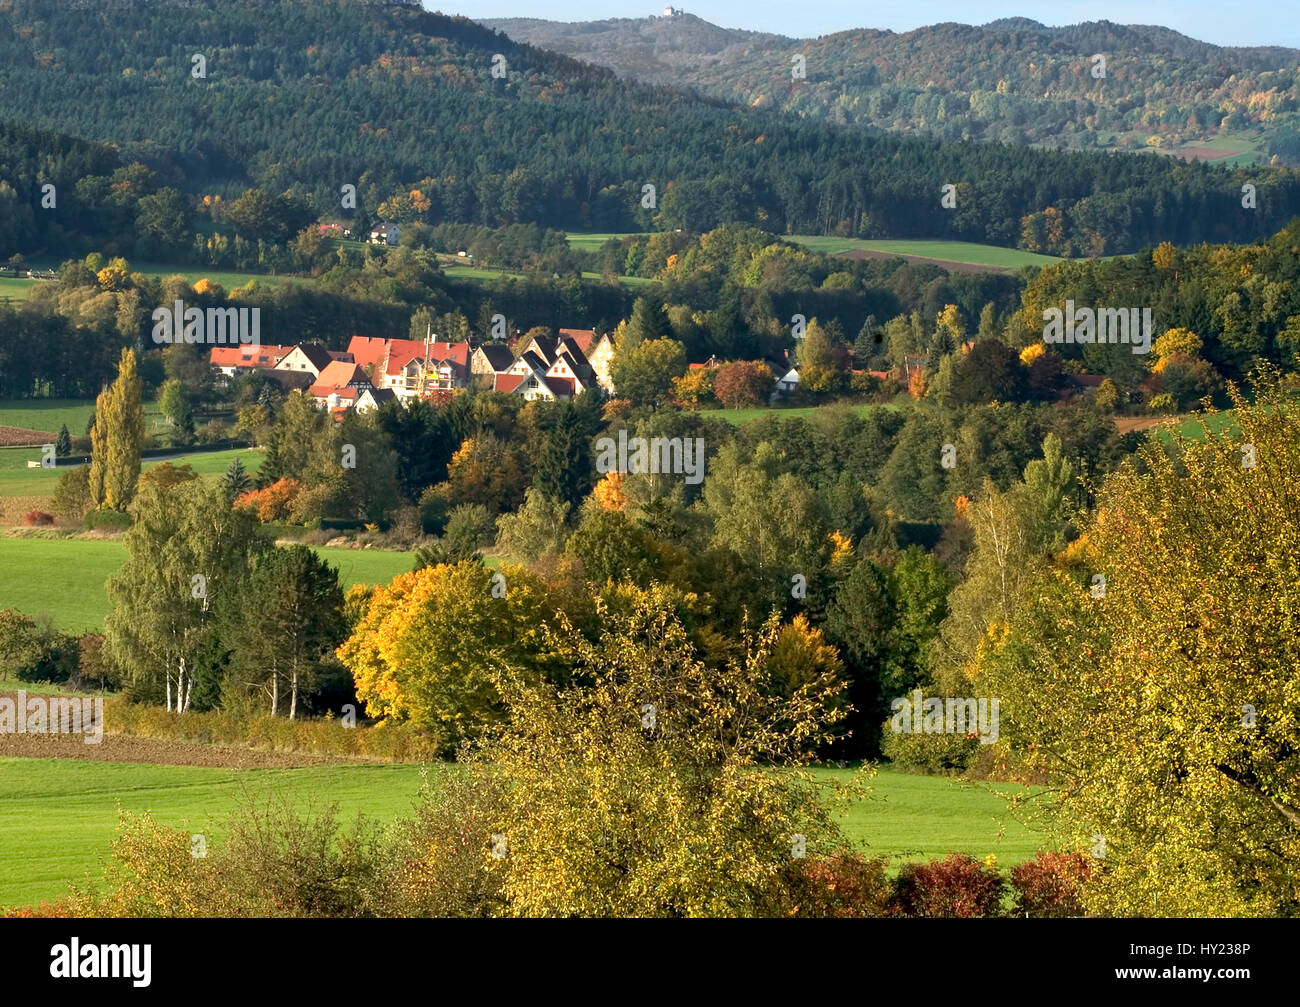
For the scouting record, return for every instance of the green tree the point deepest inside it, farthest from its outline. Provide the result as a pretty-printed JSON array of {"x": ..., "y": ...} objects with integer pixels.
[
  {"x": 235, "y": 481},
  {"x": 186, "y": 554},
  {"x": 644, "y": 371},
  {"x": 175, "y": 406},
  {"x": 283, "y": 640},
  {"x": 63, "y": 443}
]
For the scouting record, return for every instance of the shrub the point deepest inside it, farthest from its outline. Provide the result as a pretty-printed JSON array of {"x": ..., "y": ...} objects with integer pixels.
[
  {"x": 845, "y": 886},
  {"x": 94, "y": 668},
  {"x": 1163, "y": 404},
  {"x": 1048, "y": 886},
  {"x": 109, "y": 520},
  {"x": 71, "y": 498},
  {"x": 273, "y": 503},
  {"x": 956, "y": 887},
  {"x": 934, "y": 753},
  {"x": 37, "y": 518}
]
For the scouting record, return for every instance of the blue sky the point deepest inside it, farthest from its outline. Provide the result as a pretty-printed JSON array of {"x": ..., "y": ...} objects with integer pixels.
[{"x": 1223, "y": 22}]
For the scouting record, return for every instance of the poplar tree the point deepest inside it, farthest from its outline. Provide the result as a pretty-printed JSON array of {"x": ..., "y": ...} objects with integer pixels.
[{"x": 117, "y": 438}]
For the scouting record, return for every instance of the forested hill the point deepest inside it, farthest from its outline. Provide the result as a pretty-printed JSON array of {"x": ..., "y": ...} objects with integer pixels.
[
  {"x": 308, "y": 95},
  {"x": 1013, "y": 80}
]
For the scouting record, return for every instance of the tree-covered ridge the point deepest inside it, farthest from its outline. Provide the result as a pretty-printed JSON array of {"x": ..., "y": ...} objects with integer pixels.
[
  {"x": 1013, "y": 80},
  {"x": 308, "y": 97}
]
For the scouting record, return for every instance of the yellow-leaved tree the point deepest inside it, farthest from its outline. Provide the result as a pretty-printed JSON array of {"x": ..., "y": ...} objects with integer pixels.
[
  {"x": 117, "y": 438},
  {"x": 1162, "y": 699}
]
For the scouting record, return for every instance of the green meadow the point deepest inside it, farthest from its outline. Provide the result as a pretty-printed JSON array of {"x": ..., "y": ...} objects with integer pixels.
[
  {"x": 938, "y": 248},
  {"x": 66, "y": 578},
  {"x": 17, "y": 480},
  {"x": 57, "y": 816}
]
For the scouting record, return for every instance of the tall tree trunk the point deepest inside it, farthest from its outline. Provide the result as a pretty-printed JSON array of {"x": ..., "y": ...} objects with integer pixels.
[
  {"x": 293, "y": 693},
  {"x": 169, "y": 690},
  {"x": 275, "y": 691}
]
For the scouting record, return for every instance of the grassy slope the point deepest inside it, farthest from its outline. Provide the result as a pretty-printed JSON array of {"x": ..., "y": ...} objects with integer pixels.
[
  {"x": 738, "y": 416},
  {"x": 66, "y": 578},
  {"x": 17, "y": 480},
  {"x": 57, "y": 816},
  {"x": 951, "y": 251}
]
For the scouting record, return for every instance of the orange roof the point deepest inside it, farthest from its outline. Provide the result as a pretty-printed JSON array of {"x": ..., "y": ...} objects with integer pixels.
[
  {"x": 247, "y": 356},
  {"x": 583, "y": 337},
  {"x": 338, "y": 374},
  {"x": 366, "y": 350},
  {"x": 402, "y": 351}
]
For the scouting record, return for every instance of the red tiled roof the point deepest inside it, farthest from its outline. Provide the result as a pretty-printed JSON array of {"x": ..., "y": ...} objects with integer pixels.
[
  {"x": 366, "y": 350},
  {"x": 583, "y": 337},
  {"x": 247, "y": 356},
  {"x": 508, "y": 382},
  {"x": 338, "y": 374}
]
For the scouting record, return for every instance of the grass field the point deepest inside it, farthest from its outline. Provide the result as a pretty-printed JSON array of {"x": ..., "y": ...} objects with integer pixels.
[
  {"x": 738, "y": 416},
  {"x": 17, "y": 480},
  {"x": 948, "y": 251},
  {"x": 47, "y": 414},
  {"x": 57, "y": 816},
  {"x": 66, "y": 578},
  {"x": 592, "y": 242}
]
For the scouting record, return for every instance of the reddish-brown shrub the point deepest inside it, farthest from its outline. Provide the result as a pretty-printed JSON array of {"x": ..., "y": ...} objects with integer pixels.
[
  {"x": 37, "y": 517},
  {"x": 845, "y": 886},
  {"x": 955, "y": 887},
  {"x": 272, "y": 503},
  {"x": 1048, "y": 886}
]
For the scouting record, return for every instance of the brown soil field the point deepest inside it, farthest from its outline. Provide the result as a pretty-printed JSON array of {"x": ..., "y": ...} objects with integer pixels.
[
  {"x": 948, "y": 264},
  {"x": 11, "y": 437},
  {"x": 1125, "y": 424},
  {"x": 1205, "y": 153}
]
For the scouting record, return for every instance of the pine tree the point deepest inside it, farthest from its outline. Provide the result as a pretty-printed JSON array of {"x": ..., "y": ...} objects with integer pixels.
[
  {"x": 235, "y": 481},
  {"x": 117, "y": 438},
  {"x": 63, "y": 443}
]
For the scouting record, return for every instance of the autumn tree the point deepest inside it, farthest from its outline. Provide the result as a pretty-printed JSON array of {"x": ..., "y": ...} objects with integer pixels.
[
  {"x": 743, "y": 384},
  {"x": 1162, "y": 706},
  {"x": 117, "y": 438}
]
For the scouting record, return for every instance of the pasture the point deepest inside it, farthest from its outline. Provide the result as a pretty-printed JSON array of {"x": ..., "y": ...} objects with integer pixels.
[
  {"x": 57, "y": 815},
  {"x": 66, "y": 578},
  {"x": 938, "y": 250}
]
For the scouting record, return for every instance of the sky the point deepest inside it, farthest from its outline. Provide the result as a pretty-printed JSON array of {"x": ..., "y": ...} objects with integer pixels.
[{"x": 1221, "y": 22}]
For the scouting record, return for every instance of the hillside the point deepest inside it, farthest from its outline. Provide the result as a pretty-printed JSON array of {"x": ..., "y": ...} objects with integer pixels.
[
  {"x": 1012, "y": 80},
  {"x": 304, "y": 97}
]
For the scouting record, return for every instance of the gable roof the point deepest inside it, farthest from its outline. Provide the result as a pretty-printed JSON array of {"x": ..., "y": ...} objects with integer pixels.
[
  {"x": 338, "y": 374},
  {"x": 316, "y": 355},
  {"x": 379, "y": 396},
  {"x": 367, "y": 350},
  {"x": 560, "y": 387},
  {"x": 582, "y": 337},
  {"x": 497, "y": 355},
  {"x": 508, "y": 382}
]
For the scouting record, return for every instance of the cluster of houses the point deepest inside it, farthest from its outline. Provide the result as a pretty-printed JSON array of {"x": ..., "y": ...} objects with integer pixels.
[{"x": 372, "y": 371}]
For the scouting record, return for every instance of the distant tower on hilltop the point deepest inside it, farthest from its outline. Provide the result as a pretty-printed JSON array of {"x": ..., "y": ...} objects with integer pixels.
[{"x": 673, "y": 12}]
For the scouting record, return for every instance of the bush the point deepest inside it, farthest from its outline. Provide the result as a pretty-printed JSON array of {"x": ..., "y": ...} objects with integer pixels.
[
  {"x": 109, "y": 520},
  {"x": 71, "y": 498},
  {"x": 95, "y": 671},
  {"x": 1048, "y": 886},
  {"x": 1163, "y": 404},
  {"x": 845, "y": 886},
  {"x": 37, "y": 518},
  {"x": 933, "y": 753},
  {"x": 273, "y": 503},
  {"x": 957, "y": 887}
]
